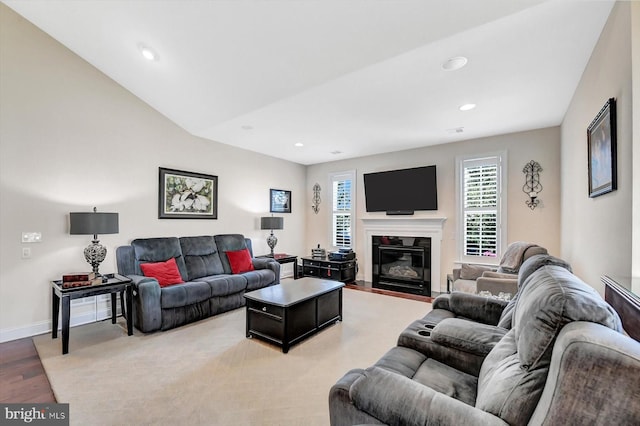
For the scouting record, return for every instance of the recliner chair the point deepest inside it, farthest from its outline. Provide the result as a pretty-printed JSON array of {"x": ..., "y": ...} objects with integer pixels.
[
  {"x": 564, "y": 361},
  {"x": 476, "y": 278}
]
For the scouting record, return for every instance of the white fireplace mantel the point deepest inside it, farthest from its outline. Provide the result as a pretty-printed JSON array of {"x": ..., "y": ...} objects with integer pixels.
[{"x": 430, "y": 227}]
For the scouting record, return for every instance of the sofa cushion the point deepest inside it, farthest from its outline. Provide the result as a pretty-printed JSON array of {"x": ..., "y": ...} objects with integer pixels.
[
  {"x": 530, "y": 265},
  {"x": 165, "y": 272},
  {"x": 513, "y": 375},
  {"x": 224, "y": 285},
  {"x": 189, "y": 293},
  {"x": 158, "y": 250},
  {"x": 534, "y": 263},
  {"x": 507, "y": 315},
  {"x": 551, "y": 298},
  {"x": 259, "y": 278},
  {"x": 240, "y": 261},
  {"x": 447, "y": 380},
  {"x": 504, "y": 388},
  {"x": 229, "y": 242},
  {"x": 473, "y": 272},
  {"x": 201, "y": 256},
  {"x": 467, "y": 286},
  {"x": 402, "y": 361}
]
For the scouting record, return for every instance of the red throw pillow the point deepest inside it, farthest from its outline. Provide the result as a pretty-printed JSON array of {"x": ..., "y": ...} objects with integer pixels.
[
  {"x": 166, "y": 273},
  {"x": 240, "y": 261}
]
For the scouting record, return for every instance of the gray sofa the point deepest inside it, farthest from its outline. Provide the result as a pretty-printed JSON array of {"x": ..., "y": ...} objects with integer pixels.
[
  {"x": 210, "y": 287},
  {"x": 555, "y": 355}
]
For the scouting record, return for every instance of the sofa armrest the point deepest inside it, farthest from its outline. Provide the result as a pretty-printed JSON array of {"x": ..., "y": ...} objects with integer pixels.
[
  {"x": 147, "y": 310},
  {"x": 478, "y": 308},
  {"x": 467, "y": 336},
  {"x": 495, "y": 274},
  {"x": 456, "y": 273},
  {"x": 394, "y": 399},
  {"x": 267, "y": 263},
  {"x": 441, "y": 302}
]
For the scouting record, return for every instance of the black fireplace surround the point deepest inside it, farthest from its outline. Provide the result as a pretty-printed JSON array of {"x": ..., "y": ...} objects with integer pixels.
[{"x": 402, "y": 264}]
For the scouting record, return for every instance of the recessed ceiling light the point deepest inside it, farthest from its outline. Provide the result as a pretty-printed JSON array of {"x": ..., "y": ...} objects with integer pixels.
[
  {"x": 147, "y": 52},
  {"x": 298, "y": 144},
  {"x": 453, "y": 64},
  {"x": 467, "y": 107}
]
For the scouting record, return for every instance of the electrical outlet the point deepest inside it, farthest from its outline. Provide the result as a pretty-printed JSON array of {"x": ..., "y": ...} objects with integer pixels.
[{"x": 26, "y": 252}]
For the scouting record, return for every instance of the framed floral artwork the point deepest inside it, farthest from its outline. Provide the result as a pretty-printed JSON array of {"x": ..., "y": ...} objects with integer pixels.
[
  {"x": 187, "y": 195},
  {"x": 601, "y": 145},
  {"x": 280, "y": 201}
]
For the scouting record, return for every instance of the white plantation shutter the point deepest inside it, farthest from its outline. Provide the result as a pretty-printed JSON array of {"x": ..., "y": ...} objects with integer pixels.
[
  {"x": 342, "y": 209},
  {"x": 481, "y": 208}
]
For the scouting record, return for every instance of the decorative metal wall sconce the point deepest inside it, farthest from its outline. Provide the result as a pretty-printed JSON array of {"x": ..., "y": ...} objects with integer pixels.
[
  {"x": 316, "y": 198},
  {"x": 532, "y": 186}
]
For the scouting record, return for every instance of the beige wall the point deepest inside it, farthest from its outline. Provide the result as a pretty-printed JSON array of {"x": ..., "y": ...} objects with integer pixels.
[
  {"x": 71, "y": 138},
  {"x": 541, "y": 225},
  {"x": 596, "y": 232}
]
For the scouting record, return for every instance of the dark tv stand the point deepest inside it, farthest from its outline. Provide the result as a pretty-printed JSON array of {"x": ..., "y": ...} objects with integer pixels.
[{"x": 400, "y": 212}]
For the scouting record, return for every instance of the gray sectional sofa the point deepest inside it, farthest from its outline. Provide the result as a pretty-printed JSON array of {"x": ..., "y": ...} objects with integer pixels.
[
  {"x": 553, "y": 355},
  {"x": 210, "y": 287}
]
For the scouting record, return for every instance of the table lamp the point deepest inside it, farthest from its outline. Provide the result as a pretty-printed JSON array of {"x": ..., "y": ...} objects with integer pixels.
[
  {"x": 271, "y": 223},
  {"x": 95, "y": 223}
]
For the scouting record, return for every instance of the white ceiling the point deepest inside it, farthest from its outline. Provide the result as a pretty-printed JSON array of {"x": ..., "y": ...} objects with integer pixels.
[{"x": 360, "y": 77}]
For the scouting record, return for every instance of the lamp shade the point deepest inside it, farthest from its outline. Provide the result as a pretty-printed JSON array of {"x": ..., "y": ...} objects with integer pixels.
[
  {"x": 93, "y": 223},
  {"x": 270, "y": 222}
]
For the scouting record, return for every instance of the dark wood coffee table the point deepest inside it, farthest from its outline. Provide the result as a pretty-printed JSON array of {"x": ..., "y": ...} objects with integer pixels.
[{"x": 287, "y": 313}]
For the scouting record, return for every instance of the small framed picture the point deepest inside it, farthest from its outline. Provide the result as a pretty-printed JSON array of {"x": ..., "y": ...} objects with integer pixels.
[
  {"x": 280, "y": 201},
  {"x": 601, "y": 143},
  {"x": 187, "y": 195}
]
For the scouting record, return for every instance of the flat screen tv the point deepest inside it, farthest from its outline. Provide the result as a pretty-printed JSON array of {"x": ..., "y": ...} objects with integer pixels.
[{"x": 401, "y": 191}]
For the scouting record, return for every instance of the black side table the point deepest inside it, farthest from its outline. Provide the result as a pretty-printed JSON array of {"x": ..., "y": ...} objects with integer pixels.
[
  {"x": 282, "y": 258},
  {"x": 113, "y": 286}
]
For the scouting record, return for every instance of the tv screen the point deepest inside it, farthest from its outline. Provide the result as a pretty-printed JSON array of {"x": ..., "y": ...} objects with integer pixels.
[{"x": 401, "y": 191}]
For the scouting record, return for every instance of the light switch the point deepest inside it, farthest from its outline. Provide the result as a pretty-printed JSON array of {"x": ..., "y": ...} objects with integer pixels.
[
  {"x": 32, "y": 237},
  {"x": 26, "y": 252}
]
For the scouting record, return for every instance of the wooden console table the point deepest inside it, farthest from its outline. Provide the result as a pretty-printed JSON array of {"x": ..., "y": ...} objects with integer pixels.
[{"x": 621, "y": 293}]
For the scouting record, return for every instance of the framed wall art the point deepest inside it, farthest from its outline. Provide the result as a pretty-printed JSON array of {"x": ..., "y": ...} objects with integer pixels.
[
  {"x": 280, "y": 201},
  {"x": 601, "y": 143},
  {"x": 187, "y": 195}
]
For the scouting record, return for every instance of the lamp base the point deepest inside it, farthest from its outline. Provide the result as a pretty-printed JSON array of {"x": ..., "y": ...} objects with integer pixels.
[
  {"x": 95, "y": 254},
  {"x": 271, "y": 242}
]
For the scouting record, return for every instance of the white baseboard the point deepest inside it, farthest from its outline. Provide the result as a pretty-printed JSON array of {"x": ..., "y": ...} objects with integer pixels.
[{"x": 101, "y": 312}]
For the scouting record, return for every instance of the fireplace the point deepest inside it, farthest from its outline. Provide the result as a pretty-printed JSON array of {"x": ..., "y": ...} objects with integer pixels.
[
  {"x": 412, "y": 227},
  {"x": 402, "y": 264}
]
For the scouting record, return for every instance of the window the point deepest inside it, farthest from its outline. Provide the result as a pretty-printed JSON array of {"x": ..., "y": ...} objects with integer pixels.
[
  {"x": 343, "y": 204},
  {"x": 482, "y": 208}
]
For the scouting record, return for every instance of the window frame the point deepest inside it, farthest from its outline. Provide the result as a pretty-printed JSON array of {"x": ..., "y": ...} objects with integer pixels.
[
  {"x": 499, "y": 158},
  {"x": 337, "y": 177}
]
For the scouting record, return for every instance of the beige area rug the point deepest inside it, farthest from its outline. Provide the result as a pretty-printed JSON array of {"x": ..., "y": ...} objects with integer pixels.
[{"x": 209, "y": 373}]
